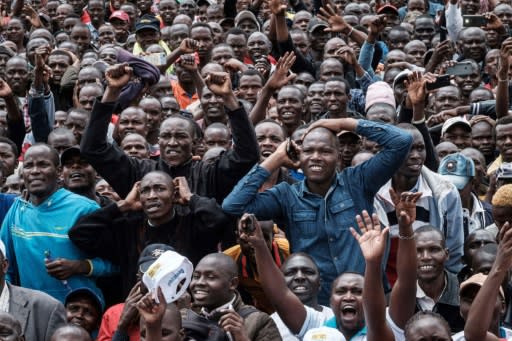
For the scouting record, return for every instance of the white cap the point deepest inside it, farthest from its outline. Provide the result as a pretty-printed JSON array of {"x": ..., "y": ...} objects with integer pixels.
[
  {"x": 168, "y": 272},
  {"x": 457, "y": 120},
  {"x": 323, "y": 334},
  {"x": 2, "y": 248}
]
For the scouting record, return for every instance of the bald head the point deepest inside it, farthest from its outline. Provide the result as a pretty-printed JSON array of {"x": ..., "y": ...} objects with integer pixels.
[
  {"x": 223, "y": 262},
  {"x": 71, "y": 332}
]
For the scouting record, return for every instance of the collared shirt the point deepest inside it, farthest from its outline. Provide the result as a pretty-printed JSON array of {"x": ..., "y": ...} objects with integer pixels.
[
  {"x": 474, "y": 219},
  {"x": 228, "y": 305},
  {"x": 4, "y": 299},
  {"x": 426, "y": 302},
  {"x": 422, "y": 205},
  {"x": 448, "y": 303},
  {"x": 286, "y": 334},
  {"x": 183, "y": 98},
  {"x": 320, "y": 225}
]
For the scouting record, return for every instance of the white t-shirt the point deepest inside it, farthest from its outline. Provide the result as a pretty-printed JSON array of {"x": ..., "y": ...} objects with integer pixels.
[
  {"x": 315, "y": 319},
  {"x": 460, "y": 335},
  {"x": 286, "y": 334}
]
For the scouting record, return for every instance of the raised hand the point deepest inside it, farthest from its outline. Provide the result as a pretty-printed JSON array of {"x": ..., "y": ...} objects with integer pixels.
[
  {"x": 280, "y": 77},
  {"x": 132, "y": 200},
  {"x": 377, "y": 24},
  {"x": 151, "y": 311},
  {"x": 277, "y": 7},
  {"x": 333, "y": 124},
  {"x": 182, "y": 193},
  {"x": 130, "y": 313},
  {"x": 234, "y": 65},
  {"x": 441, "y": 117},
  {"x": 188, "y": 62},
  {"x": 263, "y": 66},
  {"x": 347, "y": 54},
  {"x": 336, "y": 22},
  {"x": 42, "y": 53},
  {"x": 254, "y": 239},
  {"x": 494, "y": 23},
  {"x": 373, "y": 240},
  {"x": 188, "y": 45},
  {"x": 405, "y": 206},
  {"x": 416, "y": 86},
  {"x": 118, "y": 75},
  {"x": 503, "y": 260},
  {"x": 5, "y": 89},
  {"x": 443, "y": 51},
  {"x": 32, "y": 16},
  {"x": 505, "y": 53},
  {"x": 219, "y": 83}
]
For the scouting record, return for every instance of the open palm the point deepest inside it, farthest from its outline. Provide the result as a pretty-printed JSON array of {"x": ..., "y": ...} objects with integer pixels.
[
  {"x": 373, "y": 240},
  {"x": 336, "y": 22}
]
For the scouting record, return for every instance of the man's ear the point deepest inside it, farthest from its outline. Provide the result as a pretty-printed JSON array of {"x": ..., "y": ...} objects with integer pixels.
[
  {"x": 233, "y": 284},
  {"x": 5, "y": 266},
  {"x": 182, "y": 334}
]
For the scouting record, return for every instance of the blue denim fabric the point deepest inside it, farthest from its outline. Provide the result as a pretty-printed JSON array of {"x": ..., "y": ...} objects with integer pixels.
[{"x": 319, "y": 225}]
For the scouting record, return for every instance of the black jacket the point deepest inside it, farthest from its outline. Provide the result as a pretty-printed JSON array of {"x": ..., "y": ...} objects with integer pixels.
[
  {"x": 214, "y": 180},
  {"x": 119, "y": 237}
]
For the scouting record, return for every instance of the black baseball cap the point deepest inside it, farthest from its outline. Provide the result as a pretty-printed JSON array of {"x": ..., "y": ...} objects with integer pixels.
[
  {"x": 150, "y": 254},
  {"x": 147, "y": 21}
]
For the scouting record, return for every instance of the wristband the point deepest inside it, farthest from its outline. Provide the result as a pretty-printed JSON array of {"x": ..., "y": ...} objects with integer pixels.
[
  {"x": 350, "y": 33},
  {"x": 411, "y": 237},
  {"x": 90, "y": 266}
]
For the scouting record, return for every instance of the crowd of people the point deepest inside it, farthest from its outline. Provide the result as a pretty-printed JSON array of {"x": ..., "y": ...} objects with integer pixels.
[{"x": 333, "y": 170}]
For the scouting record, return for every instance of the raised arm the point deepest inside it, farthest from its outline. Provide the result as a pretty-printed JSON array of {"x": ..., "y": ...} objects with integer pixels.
[
  {"x": 245, "y": 197},
  {"x": 39, "y": 117},
  {"x": 403, "y": 295},
  {"x": 395, "y": 143},
  {"x": 234, "y": 164},
  {"x": 372, "y": 242},
  {"x": 288, "y": 306},
  {"x": 278, "y": 9},
  {"x": 15, "y": 124},
  {"x": 277, "y": 80},
  {"x": 120, "y": 171},
  {"x": 481, "y": 311},
  {"x": 95, "y": 233},
  {"x": 187, "y": 45},
  {"x": 338, "y": 24},
  {"x": 502, "y": 95},
  {"x": 416, "y": 98},
  {"x": 205, "y": 209},
  {"x": 152, "y": 313}
]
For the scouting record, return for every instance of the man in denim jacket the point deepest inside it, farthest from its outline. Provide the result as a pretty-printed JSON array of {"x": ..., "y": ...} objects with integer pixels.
[{"x": 318, "y": 211}]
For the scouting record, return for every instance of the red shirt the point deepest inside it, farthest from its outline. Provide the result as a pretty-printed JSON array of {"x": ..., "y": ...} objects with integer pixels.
[{"x": 109, "y": 324}]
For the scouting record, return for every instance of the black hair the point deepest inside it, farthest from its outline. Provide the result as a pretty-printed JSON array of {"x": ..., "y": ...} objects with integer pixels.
[
  {"x": 236, "y": 31},
  {"x": 425, "y": 314},
  {"x": 301, "y": 254},
  {"x": 430, "y": 228},
  {"x": 268, "y": 120},
  {"x": 58, "y": 52},
  {"x": 504, "y": 120},
  {"x": 201, "y": 24},
  {"x": 253, "y": 72},
  {"x": 11, "y": 144},
  {"x": 54, "y": 154},
  {"x": 340, "y": 79}
]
